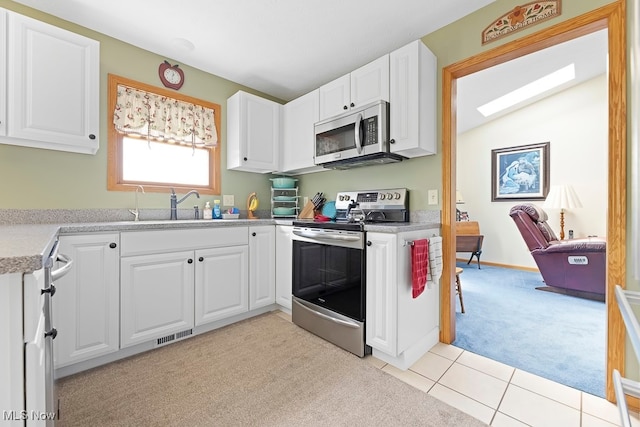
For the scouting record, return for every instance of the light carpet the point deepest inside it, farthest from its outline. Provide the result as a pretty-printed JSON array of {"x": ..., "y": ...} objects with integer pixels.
[
  {"x": 555, "y": 336},
  {"x": 263, "y": 371}
]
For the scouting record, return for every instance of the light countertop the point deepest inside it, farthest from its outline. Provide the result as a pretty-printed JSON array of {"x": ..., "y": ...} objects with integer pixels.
[{"x": 23, "y": 247}]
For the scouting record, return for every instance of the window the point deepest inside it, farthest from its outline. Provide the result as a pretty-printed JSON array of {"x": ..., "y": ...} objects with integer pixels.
[{"x": 161, "y": 139}]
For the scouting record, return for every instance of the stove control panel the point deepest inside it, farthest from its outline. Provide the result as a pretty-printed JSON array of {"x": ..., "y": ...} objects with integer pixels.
[{"x": 392, "y": 198}]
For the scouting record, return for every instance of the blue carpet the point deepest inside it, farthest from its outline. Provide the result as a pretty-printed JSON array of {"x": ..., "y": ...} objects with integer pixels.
[{"x": 554, "y": 336}]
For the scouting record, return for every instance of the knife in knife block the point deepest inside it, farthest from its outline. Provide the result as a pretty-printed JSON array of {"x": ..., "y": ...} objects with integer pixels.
[{"x": 307, "y": 211}]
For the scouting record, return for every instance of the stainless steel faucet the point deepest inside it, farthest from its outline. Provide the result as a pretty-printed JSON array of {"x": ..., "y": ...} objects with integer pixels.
[
  {"x": 175, "y": 202},
  {"x": 136, "y": 213}
]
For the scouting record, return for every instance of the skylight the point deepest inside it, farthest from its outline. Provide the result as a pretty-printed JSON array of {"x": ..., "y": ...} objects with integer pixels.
[{"x": 529, "y": 90}]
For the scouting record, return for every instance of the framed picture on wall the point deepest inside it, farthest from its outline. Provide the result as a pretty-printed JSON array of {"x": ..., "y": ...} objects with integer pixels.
[{"x": 520, "y": 173}]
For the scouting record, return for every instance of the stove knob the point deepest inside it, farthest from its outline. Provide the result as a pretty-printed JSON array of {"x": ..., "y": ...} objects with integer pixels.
[
  {"x": 347, "y": 197},
  {"x": 389, "y": 196},
  {"x": 341, "y": 198},
  {"x": 382, "y": 196},
  {"x": 397, "y": 196}
]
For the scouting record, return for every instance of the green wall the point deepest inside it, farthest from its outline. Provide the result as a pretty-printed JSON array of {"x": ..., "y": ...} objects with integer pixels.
[
  {"x": 35, "y": 178},
  {"x": 451, "y": 44}
]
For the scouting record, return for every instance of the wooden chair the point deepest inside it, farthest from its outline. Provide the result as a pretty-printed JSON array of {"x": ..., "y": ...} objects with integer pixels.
[
  {"x": 469, "y": 239},
  {"x": 459, "y": 288}
]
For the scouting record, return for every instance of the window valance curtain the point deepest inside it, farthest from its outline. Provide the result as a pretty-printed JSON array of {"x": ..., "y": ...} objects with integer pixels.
[{"x": 161, "y": 118}]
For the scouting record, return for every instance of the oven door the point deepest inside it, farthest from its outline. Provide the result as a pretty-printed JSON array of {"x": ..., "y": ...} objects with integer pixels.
[{"x": 329, "y": 270}]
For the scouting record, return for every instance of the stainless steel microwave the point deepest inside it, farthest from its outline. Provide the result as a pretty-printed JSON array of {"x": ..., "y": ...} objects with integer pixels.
[{"x": 356, "y": 138}]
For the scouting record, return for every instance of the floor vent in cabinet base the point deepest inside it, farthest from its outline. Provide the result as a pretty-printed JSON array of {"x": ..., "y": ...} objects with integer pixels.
[{"x": 173, "y": 337}]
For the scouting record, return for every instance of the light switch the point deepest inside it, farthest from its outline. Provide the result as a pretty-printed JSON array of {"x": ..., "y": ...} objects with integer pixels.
[
  {"x": 432, "y": 197},
  {"x": 228, "y": 200}
]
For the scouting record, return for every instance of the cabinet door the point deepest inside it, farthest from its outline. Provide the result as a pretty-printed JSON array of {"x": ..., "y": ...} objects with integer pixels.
[
  {"x": 53, "y": 86},
  {"x": 222, "y": 285},
  {"x": 412, "y": 114},
  {"x": 370, "y": 83},
  {"x": 284, "y": 265},
  {"x": 299, "y": 138},
  {"x": 253, "y": 133},
  {"x": 156, "y": 296},
  {"x": 335, "y": 97},
  {"x": 262, "y": 263},
  {"x": 382, "y": 297},
  {"x": 86, "y": 306}
]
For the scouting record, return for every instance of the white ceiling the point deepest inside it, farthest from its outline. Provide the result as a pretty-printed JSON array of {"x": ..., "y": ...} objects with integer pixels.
[
  {"x": 284, "y": 48},
  {"x": 588, "y": 53}
]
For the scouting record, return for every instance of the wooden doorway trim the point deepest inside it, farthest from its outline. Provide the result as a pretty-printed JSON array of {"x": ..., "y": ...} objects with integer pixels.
[{"x": 613, "y": 18}]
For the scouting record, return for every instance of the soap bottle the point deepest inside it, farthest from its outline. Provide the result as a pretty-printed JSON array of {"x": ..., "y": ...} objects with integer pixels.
[
  {"x": 206, "y": 212},
  {"x": 217, "y": 214}
]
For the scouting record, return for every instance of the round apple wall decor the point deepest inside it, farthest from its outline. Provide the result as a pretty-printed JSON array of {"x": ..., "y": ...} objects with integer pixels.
[{"x": 171, "y": 76}]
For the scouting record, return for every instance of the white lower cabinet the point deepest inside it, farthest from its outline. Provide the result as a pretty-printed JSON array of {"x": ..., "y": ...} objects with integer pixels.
[
  {"x": 156, "y": 296},
  {"x": 86, "y": 306},
  {"x": 400, "y": 328},
  {"x": 222, "y": 284},
  {"x": 262, "y": 265},
  {"x": 284, "y": 265}
]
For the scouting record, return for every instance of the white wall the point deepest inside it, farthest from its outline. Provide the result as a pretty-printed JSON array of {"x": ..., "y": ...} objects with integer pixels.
[{"x": 575, "y": 123}]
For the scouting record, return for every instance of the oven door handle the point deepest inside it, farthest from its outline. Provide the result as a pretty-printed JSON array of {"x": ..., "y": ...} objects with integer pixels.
[
  {"x": 332, "y": 319},
  {"x": 319, "y": 235},
  {"x": 68, "y": 263}
]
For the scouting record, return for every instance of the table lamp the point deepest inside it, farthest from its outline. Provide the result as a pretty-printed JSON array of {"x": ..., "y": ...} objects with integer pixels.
[
  {"x": 562, "y": 197},
  {"x": 459, "y": 201}
]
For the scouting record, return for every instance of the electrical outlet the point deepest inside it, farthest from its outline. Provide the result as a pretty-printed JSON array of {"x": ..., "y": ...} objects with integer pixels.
[
  {"x": 432, "y": 197},
  {"x": 228, "y": 200},
  {"x": 305, "y": 201}
]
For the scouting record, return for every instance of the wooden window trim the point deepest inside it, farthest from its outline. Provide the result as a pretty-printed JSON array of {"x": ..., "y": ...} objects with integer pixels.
[{"x": 114, "y": 142}]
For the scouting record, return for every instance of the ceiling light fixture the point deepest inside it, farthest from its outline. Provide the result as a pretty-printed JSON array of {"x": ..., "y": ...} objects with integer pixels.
[{"x": 529, "y": 90}]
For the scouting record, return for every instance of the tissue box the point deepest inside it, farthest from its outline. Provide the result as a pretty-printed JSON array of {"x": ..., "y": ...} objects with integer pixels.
[{"x": 230, "y": 216}]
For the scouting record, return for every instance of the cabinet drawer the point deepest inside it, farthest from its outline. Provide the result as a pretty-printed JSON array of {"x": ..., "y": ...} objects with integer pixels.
[{"x": 158, "y": 241}]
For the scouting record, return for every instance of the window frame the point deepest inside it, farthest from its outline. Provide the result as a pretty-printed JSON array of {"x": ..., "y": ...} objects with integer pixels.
[{"x": 115, "y": 181}]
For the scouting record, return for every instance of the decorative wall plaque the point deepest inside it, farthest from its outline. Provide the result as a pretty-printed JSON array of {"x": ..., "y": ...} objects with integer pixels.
[{"x": 521, "y": 17}]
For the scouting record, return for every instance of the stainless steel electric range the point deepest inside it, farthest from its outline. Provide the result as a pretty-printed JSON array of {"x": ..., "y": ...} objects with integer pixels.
[{"x": 329, "y": 265}]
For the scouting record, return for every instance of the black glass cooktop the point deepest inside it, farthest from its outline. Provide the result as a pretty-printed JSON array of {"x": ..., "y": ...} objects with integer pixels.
[{"x": 333, "y": 225}]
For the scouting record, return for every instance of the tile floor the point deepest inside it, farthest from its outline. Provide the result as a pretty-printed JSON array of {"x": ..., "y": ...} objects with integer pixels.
[{"x": 500, "y": 395}]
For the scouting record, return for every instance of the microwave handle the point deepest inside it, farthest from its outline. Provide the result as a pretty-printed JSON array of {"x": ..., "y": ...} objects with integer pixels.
[{"x": 357, "y": 133}]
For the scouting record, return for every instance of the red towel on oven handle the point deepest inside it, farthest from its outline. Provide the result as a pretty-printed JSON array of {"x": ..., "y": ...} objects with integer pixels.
[{"x": 419, "y": 264}]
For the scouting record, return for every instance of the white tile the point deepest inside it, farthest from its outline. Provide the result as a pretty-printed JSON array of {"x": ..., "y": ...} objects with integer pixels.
[
  {"x": 432, "y": 366},
  {"x": 591, "y": 421},
  {"x": 446, "y": 350},
  {"x": 502, "y": 420},
  {"x": 535, "y": 410},
  {"x": 463, "y": 403},
  {"x": 600, "y": 408},
  {"x": 477, "y": 385},
  {"x": 486, "y": 365},
  {"x": 551, "y": 389},
  {"x": 409, "y": 377},
  {"x": 375, "y": 362}
]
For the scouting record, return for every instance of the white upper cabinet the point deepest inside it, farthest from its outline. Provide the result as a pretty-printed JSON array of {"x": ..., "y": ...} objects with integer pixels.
[
  {"x": 298, "y": 141},
  {"x": 413, "y": 100},
  {"x": 367, "y": 84},
  {"x": 51, "y": 79},
  {"x": 253, "y": 133}
]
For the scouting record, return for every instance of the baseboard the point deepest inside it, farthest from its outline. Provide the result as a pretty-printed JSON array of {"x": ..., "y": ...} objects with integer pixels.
[{"x": 496, "y": 264}]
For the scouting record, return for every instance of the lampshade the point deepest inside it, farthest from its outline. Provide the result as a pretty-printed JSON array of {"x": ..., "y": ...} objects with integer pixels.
[
  {"x": 562, "y": 197},
  {"x": 459, "y": 198}
]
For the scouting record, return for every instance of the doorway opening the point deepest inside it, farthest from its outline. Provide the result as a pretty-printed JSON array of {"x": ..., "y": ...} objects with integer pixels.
[{"x": 612, "y": 18}]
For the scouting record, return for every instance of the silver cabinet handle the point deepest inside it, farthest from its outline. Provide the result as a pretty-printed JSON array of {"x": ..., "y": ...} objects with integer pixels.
[{"x": 68, "y": 263}]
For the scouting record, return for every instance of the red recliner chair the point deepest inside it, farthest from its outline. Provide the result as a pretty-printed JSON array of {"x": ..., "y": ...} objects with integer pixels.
[{"x": 576, "y": 267}]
